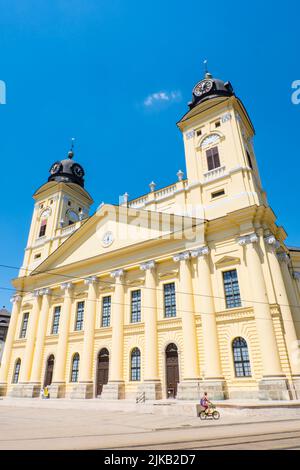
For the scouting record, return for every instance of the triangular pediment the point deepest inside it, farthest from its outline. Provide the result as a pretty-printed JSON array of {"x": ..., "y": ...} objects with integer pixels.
[
  {"x": 227, "y": 261},
  {"x": 111, "y": 230}
]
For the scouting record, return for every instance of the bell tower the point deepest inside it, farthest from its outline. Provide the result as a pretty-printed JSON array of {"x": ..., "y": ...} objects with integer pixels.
[
  {"x": 62, "y": 205},
  {"x": 220, "y": 160}
]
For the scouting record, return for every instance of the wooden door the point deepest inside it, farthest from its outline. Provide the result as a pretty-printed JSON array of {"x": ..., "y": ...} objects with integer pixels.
[
  {"x": 49, "y": 371},
  {"x": 102, "y": 370},
  {"x": 172, "y": 369}
]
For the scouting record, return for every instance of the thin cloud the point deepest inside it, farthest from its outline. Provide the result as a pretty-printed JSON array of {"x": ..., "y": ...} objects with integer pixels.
[{"x": 162, "y": 97}]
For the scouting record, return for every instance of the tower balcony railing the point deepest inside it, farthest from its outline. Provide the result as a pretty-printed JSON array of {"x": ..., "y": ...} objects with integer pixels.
[{"x": 215, "y": 173}]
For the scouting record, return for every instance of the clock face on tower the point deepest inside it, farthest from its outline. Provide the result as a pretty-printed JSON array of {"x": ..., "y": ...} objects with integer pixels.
[
  {"x": 203, "y": 87},
  {"x": 55, "y": 168},
  {"x": 77, "y": 170}
]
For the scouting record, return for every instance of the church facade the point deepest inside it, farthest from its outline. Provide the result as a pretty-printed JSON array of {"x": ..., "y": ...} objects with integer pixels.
[{"x": 186, "y": 289}]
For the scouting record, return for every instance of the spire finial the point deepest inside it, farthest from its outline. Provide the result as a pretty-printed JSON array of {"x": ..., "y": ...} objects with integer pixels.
[
  {"x": 206, "y": 72},
  {"x": 71, "y": 152}
]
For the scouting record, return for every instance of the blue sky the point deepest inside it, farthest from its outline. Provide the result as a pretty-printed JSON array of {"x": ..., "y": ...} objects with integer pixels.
[{"x": 86, "y": 68}]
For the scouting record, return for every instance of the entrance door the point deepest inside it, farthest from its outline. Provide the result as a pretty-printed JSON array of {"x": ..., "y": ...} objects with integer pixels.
[
  {"x": 102, "y": 370},
  {"x": 49, "y": 371},
  {"x": 172, "y": 370}
]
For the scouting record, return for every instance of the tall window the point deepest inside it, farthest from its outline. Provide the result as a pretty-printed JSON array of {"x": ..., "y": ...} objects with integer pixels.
[
  {"x": 106, "y": 310},
  {"x": 232, "y": 290},
  {"x": 24, "y": 325},
  {"x": 55, "y": 323},
  {"x": 135, "y": 365},
  {"x": 135, "y": 306},
  {"x": 249, "y": 160},
  {"x": 75, "y": 368},
  {"x": 241, "y": 358},
  {"x": 213, "y": 159},
  {"x": 15, "y": 379},
  {"x": 43, "y": 228},
  {"x": 170, "y": 300},
  {"x": 79, "y": 316}
]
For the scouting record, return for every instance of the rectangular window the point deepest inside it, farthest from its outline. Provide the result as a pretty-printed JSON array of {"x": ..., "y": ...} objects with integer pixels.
[
  {"x": 170, "y": 300},
  {"x": 249, "y": 160},
  {"x": 79, "y": 316},
  {"x": 135, "y": 306},
  {"x": 213, "y": 159},
  {"x": 24, "y": 325},
  {"x": 55, "y": 323},
  {"x": 43, "y": 228},
  {"x": 106, "y": 310},
  {"x": 218, "y": 194},
  {"x": 217, "y": 124},
  {"x": 231, "y": 288}
]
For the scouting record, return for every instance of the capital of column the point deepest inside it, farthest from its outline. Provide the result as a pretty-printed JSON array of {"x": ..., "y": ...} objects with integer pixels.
[
  {"x": 248, "y": 239},
  {"x": 272, "y": 242},
  {"x": 181, "y": 256},
  {"x": 296, "y": 275},
  {"x": 41, "y": 292},
  {"x": 148, "y": 265},
  {"x": 66, "y": 286},
  {"x": 203, "y": 251},
  {"x": 117, "y": 274},
  {"x": 15, "y": 299},
  {"x": 90, "y": 280},
  {"x": 283, "y": 257}
]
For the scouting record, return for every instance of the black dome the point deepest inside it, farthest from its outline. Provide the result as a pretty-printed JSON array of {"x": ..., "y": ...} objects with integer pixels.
[
  {"x": 210, "y": 88},
  {"x": 67, "y": 171}
]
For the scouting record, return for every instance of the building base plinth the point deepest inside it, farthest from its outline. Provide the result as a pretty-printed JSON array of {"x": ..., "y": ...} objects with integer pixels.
[
  {"x": 194, "y": 390},
  {"x": 113, "y": 391},
  {"x": 152, "y": 390},
  {"x": 82, "y": 390},
  {"x": 57, "y": 390},
  {"x": 26, "y": 390},
  {"x": 274, "y": 389},
  {"x": 3, "y": 389}
]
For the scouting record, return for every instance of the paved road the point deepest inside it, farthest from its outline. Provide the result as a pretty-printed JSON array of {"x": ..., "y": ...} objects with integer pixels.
[{"x": 65, "y": 424}]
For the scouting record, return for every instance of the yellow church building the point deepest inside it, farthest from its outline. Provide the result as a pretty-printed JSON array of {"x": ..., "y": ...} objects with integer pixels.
[{"x": 186, "y": 289}]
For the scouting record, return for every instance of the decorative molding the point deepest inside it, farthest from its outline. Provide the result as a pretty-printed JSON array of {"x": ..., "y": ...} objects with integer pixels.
[
  {"x": 296, "y": 275},
  {"x": 203, "y": 251},
  {"x": 227, "y": 261},
  {"x": 169, "y": 274},
  {"x": 247, "y": 239},
  {"x": 41, "y": 292},
  {"x": 182, "y": 256},
  {"x": 147, "y": 265},
  {"x": 136, "y": 282}
]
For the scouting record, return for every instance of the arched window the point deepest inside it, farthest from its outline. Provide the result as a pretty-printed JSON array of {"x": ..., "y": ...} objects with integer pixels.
[
  {"x": 241, "y": 358},
  {"x": 135, "y": 365},
  {"x": 75, "y": 368},
  {"x": 15, "y": 379}
]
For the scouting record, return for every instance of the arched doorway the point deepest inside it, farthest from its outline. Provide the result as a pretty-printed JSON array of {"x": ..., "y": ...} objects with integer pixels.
[
  {"x": 102, "y": 370},
  {"x": 49, "y": 371},
  {"x": 172, "y": 370}
]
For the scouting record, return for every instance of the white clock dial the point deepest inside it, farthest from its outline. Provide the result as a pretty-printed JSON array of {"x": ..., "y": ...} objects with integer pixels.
[
  {"x": 107, "y": 239},
  {"x": 203, "y": 87}
]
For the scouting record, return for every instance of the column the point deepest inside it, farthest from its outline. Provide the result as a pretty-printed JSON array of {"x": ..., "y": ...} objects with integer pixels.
[
  {"x": 273, "y": 384},
  {"x": 151, "y": 385},
  {"x": 35, "y": 378},
  {"x": 188, "y": 388},
  {"x": 58, "y": 387},
  {"x": 6, "y": 358},
  {"x": 213, "y": 377},
  {"x": 85, "y": 387},
  {"x": 283, "y": 301},
  {"x": 115, "y": 389},
  {"x": 26, "y": 364}
]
